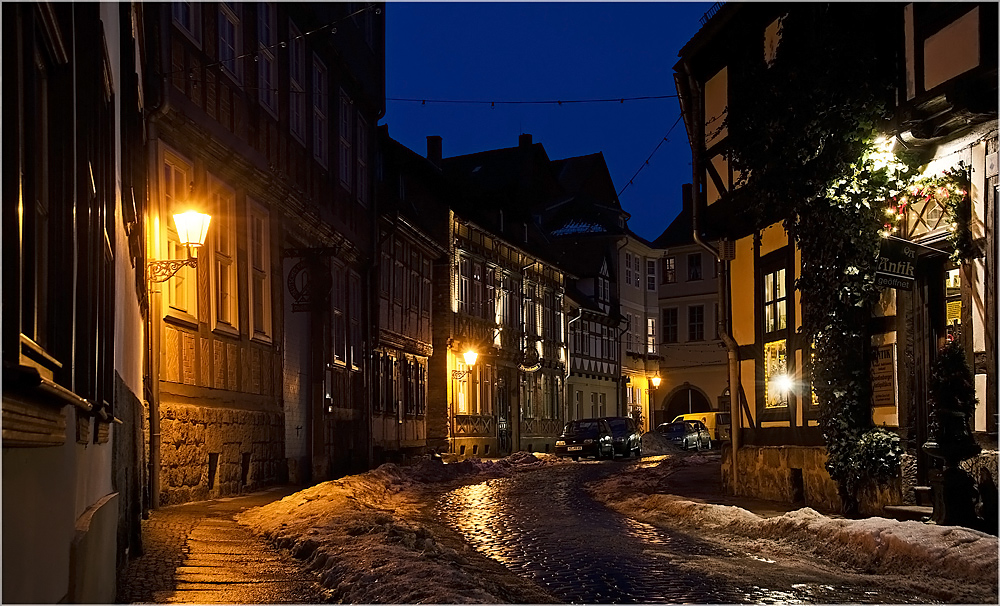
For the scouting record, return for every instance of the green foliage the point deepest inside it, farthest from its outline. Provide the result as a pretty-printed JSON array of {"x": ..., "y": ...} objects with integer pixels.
[
  {"x": 951, "y": 190},
  {"x": 803, "y": 135}
]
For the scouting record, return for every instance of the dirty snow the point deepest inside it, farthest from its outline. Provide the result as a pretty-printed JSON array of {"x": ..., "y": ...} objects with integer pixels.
[{"x": 368, "y": 539}]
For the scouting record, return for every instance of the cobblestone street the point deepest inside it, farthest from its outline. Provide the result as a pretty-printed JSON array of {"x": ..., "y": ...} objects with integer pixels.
[{"x": 197, "y": 553}]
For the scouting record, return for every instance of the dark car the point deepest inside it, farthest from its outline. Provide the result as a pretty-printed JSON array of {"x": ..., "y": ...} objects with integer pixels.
[
  {"x": 586, "y": 438},
  {"x": 625, "y": 436},
  {"x": 686, "y": 434}
]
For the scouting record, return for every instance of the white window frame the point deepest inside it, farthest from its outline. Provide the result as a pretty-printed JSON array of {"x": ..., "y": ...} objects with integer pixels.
[
  {"x": 651, "y": 275},
  {"x": 628, "y": 268},
  {"x": 230, "y": 52},
  {"x": 296, "y": 81},
  {"x": 259, "y": 270},
  {"x": 223, "y": 267},
  {"x": 267, "y": 93},
  {"x": 182, "y": 288},
  {"x": 321, "y": 112},
  {"x": 345, "y": 157}
]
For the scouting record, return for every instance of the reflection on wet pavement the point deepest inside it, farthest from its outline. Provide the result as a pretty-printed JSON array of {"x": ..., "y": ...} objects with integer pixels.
[{"x": 543, "y": 525}]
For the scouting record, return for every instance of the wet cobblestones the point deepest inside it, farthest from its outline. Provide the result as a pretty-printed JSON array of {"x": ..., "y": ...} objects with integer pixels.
[{"x": 543, "y": 525}]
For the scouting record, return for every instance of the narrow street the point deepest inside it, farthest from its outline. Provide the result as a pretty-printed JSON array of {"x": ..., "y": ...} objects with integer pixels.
[{"x": 543, "y": 525}]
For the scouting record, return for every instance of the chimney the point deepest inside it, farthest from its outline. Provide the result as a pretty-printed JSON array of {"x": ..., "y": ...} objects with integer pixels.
[
  {"x": 524, "y": 140},
  {"x": 434, "y": 150}
]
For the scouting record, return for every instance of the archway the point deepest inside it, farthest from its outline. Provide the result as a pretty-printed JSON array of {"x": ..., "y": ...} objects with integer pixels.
[{"x": 683, "y": 399}]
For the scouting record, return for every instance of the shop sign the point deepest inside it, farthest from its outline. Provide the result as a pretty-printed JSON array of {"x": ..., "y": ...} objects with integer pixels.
[
  {"x": 897, "y": 264},
  {"x": 884, "y": 375}
]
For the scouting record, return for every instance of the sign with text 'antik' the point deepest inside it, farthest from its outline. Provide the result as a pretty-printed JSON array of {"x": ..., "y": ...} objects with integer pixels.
[{"x": 897, "y": 264}]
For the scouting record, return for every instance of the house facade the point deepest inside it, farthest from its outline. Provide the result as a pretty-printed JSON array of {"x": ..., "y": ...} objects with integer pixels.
[
  {"x": 254, "y": 119},
  {"x": 74, "y": 299},
  {"x": 944, "y": 115},
  {"x": 692, "y": 356}
]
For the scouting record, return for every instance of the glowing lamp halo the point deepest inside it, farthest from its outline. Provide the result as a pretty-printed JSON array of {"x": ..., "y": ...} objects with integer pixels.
[
  {"x": 470, "y": 358},
  {"x": 192, "y": 227},
  {"x": 656, "y": 381}
]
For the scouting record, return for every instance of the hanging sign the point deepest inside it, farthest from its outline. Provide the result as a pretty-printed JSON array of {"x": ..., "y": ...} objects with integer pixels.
[{"x": 897, "y": 264}]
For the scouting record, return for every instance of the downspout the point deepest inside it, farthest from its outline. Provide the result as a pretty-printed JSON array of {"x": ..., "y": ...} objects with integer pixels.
[
  {"x": 569, "y": 365},
  {"x": 696, "y": 131},
  {"x": 618, "y": 338}
]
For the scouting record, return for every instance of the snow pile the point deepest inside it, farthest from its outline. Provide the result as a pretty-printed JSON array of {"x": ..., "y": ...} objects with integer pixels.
[
  {"x": 654, "y": 443},
  {"x": 358, "y": 535},
  {"x": 871, "y": 544}
]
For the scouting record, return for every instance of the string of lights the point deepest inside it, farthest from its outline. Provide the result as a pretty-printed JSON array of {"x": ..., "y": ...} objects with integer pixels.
[
  {"x": 646, "y": 163},
  {"x": 284, "y": 43}
]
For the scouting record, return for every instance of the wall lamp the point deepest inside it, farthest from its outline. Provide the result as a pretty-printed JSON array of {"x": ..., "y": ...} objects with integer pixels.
[
  {"x": 470, "y": 361},
  {"x": 655, "y": 381},
  {"x": 192, "y": 227}
]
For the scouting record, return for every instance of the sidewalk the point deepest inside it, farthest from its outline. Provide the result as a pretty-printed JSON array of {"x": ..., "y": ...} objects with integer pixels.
[{"x": 197, "y": 553}]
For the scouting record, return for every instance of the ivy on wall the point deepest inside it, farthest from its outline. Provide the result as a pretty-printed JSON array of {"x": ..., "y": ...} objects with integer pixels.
[{"x": 803, "y": 135}]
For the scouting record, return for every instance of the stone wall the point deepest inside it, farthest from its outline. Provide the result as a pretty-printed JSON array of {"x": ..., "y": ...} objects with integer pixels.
[
  {"x": 216, "y": 452},
  {"x": 798, "y": 474}
]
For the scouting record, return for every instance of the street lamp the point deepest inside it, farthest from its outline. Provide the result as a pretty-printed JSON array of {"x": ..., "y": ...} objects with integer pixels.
[
  {"x": 192, "y": 227},
  {"x": 656, "y": 381},
  {"x": 470, "y": 361}
]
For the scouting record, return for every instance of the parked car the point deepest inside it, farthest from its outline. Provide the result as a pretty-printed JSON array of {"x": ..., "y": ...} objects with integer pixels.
[
  {"x": 686, "y": 434},
  {"x": 716, "y": 422},
  {"x": 586, "y": 438},
  {"x": 625, "y": 436}
]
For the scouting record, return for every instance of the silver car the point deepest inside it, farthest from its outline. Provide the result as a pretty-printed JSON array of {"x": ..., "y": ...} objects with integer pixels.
[{"x": 686, "y": 435}]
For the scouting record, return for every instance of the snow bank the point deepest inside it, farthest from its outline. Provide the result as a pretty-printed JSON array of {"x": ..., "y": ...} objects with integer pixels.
[
  {"x": 355, "y": 533},
  {"x": 872, "y": 544}
]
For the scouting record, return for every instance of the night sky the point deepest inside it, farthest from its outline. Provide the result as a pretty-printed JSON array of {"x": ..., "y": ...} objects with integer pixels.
[{"x": 471, "y": 51}]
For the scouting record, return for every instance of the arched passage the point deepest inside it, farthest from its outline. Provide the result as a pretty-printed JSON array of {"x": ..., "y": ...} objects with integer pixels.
[{"x": 682, "y": 399}]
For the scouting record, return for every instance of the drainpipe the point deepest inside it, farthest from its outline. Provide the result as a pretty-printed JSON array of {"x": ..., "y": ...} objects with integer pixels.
[
  {"x": 569, "y": 365},
  {"x": 696, "y": 130}
]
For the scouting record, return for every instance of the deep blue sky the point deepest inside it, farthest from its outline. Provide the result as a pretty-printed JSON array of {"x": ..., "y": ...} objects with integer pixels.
[{"x": 548, "y": 51}]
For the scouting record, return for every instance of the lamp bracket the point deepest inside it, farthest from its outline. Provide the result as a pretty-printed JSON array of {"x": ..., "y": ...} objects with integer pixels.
[
  {"x": 460, "y": 374},
  {"x": 161, "y": 271}
]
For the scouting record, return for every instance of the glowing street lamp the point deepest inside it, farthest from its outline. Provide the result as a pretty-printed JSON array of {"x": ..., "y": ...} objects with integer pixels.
[
  {"x": 470, "y": 361},
  {"x": 192, "y": 228},
  {"x": 656, "y": 381}
]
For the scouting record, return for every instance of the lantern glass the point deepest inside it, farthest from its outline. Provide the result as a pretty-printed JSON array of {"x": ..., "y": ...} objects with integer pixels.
[
  {"x": 470, "y": 358},
  {"x": 192, "y": 227},
  {"x": 656, "y": 381}
]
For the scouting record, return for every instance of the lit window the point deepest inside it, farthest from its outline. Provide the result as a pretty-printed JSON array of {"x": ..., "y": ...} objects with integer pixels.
[
  {"x": 669, "y": 270},
  {"x": 776, "y": 383},
  {"x": 775, "y": 301},
  {"x": 223, "y": 238},
  {"x": 260, "y": 269},
  {"x": 650, "y": 335},
  {"x": 182, "y": 289}
]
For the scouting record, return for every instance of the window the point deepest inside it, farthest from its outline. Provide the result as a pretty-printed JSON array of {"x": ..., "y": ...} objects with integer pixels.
[
  {"x": 463, "y": 285},
  {"x": 362, "y": 159},
  {"x": 775, "y": 368},
  {"x": 650, "y": 335},
  {"x": 650, "y": 275},
  {"x": 297, "y": 80},
  {"x": 187, "y": 17},
  {"x": 182, "y": 289},
  {"x": 694, "y": 266},
  {"x": 670, "y": 328},
  {"x": 346, "y": 159},
  {"x": 696, "y": 323},
  {"x": 230, "y": 39},
  {"x": 223, "y": 236},
  {"x": 635, "y": 267},
  {"x": 321, "y": 127},
  {"x": 628, "y": 268},
  {"x": 354, "y": 312},
  {"x": 267, "y": 92},
  {"x": 775, "y": 301},
  {"x": 669, "y": 270},
  {"x": 260, "y": 270},
  {"x": 338, "y": 301}
]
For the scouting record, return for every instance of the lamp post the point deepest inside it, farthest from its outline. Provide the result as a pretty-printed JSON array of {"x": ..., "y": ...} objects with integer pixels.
[{"x": 192, "y": 227}]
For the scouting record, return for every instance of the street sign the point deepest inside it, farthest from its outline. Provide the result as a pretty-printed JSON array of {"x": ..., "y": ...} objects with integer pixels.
[{"x": 897, "y": 264}]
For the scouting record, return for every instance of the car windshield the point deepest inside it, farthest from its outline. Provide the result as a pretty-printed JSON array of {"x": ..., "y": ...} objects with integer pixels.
[
  {"x": 722, "y": 418},
  {"x": 679, "y": 427},
  {"x": 580, "y": 427},
  {"x": 618, "y": 425}
]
